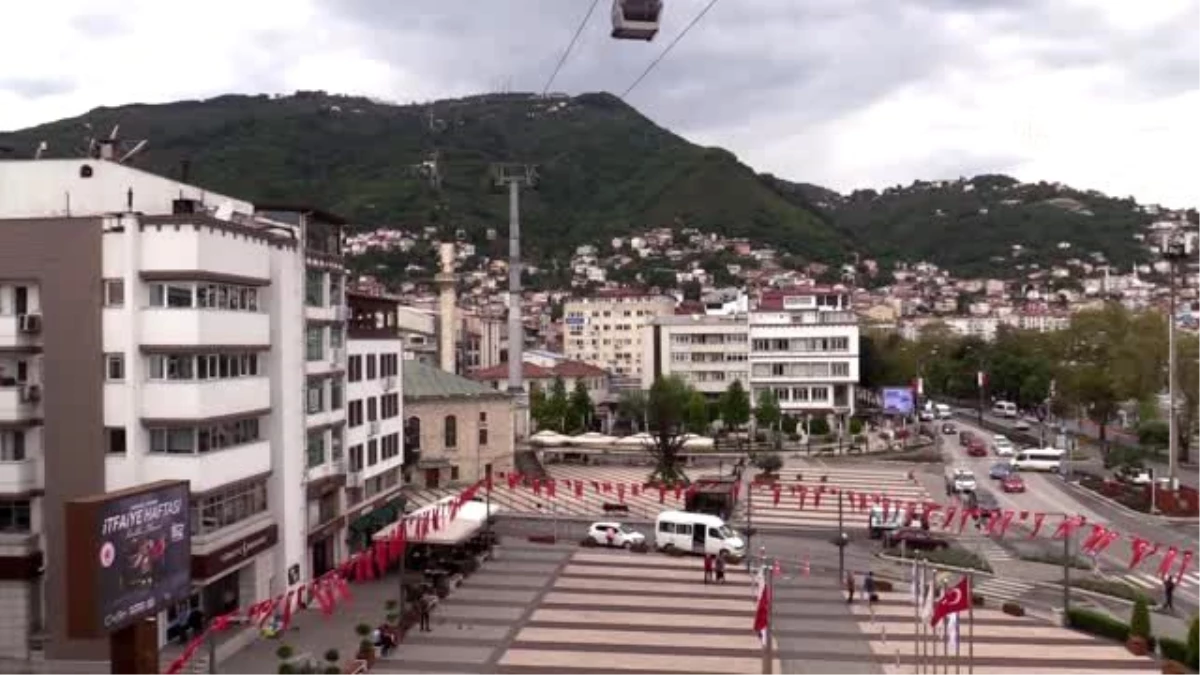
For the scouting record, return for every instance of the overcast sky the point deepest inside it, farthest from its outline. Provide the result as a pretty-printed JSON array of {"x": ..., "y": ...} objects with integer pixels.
[{"x": 845, "y": 93}]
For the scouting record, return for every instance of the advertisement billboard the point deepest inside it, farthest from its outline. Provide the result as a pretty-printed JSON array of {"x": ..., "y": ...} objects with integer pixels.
[
  {"x": 132, "y": 554},
  {"x": 897, "y": 401}
]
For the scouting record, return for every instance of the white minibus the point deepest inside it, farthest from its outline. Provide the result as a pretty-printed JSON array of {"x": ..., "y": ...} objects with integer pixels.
[
  {"x": 699, "y": 533},
  {"x": 1038, "y": 459},
  {"x": 1004, "y": 409}
]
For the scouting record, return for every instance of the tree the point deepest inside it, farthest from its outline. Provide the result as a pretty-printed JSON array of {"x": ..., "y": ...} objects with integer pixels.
[
  {"x": 735, "y": 406},
  {"x": 767, "y": 413},
  {"x": 579, "y": 408},
  {"x": 632, "y": 405},
  {"x": 667, "y": 410},
  {"x": 1193, "y": 643},
  {"x": 697, "y": 413},
  {"x": 1139, "y": 621},
  {"x": 556, "y": 407},
  {"x": 1187, "y": 382},
  {"x": 537, "y": 406}
]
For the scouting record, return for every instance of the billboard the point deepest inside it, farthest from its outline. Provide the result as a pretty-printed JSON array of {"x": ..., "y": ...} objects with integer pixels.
[
  {"x": 130, "y": 555},
  {"x": 897, "y": 401}
]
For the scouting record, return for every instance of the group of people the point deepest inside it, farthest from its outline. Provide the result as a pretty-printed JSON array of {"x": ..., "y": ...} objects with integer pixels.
[
  {"x": 714, "y": 565},
  {"x": 868, "y": 588}
]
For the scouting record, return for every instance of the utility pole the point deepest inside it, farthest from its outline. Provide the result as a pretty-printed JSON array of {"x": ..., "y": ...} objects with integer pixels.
[
  {"x": 514, "y": 176},
  {"x": 1174, "y": 250}
]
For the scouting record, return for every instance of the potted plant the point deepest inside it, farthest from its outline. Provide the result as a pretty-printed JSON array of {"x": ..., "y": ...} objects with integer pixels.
[
  {"x": 286, "y": 668},
  {"x": 1138, "y": 643},
  {"x": 366, "y": 650},
  {"x": 1012, "y": 609},
  {"x": 285, "y": 652}
]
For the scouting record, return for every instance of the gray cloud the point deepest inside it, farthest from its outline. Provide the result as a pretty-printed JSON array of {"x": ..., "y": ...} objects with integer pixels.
[
  {"x": 34, "y": 88},
  {"x": 100, "y": 25}
]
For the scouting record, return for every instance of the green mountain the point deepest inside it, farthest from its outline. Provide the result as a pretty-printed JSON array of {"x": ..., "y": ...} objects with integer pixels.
[{"x": 603, "y": 168}]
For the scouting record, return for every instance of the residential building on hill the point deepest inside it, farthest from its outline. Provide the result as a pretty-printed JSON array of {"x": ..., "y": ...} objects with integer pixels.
[
  {"x": 606, "y": 331},
  {"x": 459, "y": 430},
  {"x": 151, "y": 330}
]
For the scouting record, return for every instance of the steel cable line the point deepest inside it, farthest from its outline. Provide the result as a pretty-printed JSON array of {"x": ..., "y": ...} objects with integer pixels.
[
  {"x": 571, "y": 45},
  {"x": 666, "y": 51}
]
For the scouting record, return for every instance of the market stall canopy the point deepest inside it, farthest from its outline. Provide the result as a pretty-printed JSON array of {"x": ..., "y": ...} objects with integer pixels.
[
  {"x": 472, "y": 517},
  {"x": 642, "y": 440},
  {"x": 549, "y": 438},
  {"x": 593, "y": 439},
  {"x": 697, "y": 442}
]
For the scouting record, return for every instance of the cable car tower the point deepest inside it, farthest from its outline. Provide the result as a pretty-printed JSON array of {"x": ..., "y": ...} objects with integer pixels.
[{"x": 513, "y": 176}]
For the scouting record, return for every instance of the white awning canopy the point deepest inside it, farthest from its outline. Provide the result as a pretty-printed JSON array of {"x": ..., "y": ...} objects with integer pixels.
[{"x": 472, "y": 517}]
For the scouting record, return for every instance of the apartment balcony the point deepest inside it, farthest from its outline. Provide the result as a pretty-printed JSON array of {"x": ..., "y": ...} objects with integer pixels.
[
  {"x": 188, "y": 327},
  {"x": 18, "y": 477},
  {"x": 209, "y": 470},
  {"x": 20, "y": 402},
  {"x": 330, "y": 360},
  {"x": 19, "y": 332},
  {"x": 205, "y": 400},
  {"x": 326, "y": 313},
  {"x": 324, "y": 418}
]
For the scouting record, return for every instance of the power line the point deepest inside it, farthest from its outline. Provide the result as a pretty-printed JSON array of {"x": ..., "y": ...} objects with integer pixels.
[
  {"x": 669, "y": 47},
  {"x": 567, "y": 52}
]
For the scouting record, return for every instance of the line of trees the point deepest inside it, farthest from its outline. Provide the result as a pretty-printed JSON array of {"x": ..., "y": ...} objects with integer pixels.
[
  {"x": 1107, "y": 358},
  {"x": 559, "y": 411}
]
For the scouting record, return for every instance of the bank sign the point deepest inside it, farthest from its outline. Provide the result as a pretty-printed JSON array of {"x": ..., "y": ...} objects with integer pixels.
[{"x": 142, "y": 555}]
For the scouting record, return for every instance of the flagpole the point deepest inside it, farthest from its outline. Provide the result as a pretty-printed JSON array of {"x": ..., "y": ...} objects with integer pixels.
[
  {"x": 403, "y": 562},
  {"x": 971, "y": 624},
  {"x": 916, "y": 593},
  {"x": 957, "y": 647},
  {"x": 767, "y": 572}
]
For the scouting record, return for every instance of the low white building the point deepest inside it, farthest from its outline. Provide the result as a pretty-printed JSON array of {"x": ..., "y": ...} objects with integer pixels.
[{"x": 709, "y": 352}]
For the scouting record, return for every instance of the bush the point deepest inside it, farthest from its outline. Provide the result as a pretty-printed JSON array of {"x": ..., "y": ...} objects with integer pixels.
[
  {"x": 1193, "y": 645},
  {"x": 1055, "y": 558},
  {"x": 1117, "y": 589},
  {"x": 856, "y": 426},
  {"x": 285, "y": 652},
  {"x": 362, "y": 629},
  {"x": 1097, "y": 623},
  {"x": 768, "y": 462},
  {"x": 818, "y": 426},
  {"x": 1154, "y": 434},
  {"x": 957, "y": 557},
  {"x": 286, "y": 669},
  {"x": 977, "y": 600},
  {"x": 1173, "y": 649},
  {"x": 1139, "y": 620},
  {"x": 1012, "y": 609},
  {"x": 332, "y": 655},
  {"x": 884, "y": 586}
]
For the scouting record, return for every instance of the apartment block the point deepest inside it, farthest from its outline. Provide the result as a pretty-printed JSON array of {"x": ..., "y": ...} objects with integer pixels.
[
  {"x": 606, "y": 331},
  {"x": 708, "y": 352},
  {"x": 804, "y": 347},
  {"x": 153, "y": 330}
]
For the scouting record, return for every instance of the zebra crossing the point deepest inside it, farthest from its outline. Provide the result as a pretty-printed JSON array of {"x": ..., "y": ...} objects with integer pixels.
[
  {"x": 1151, "y": 581},
  {"x": 987, "y": 548},
  {"x": 1000, "y": 588},
  {"x": 818, "y": 509}
]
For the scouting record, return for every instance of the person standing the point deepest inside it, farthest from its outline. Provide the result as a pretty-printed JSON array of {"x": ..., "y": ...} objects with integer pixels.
[
  {"x": 708, "y": 568},
  {"x": 1168, "y": 592},
  {"x": 869, "y": 588},
  {"x": 720, "y": 565},
  {"x": 849, "y": 587},
  {"x": 428, "y": 599}
]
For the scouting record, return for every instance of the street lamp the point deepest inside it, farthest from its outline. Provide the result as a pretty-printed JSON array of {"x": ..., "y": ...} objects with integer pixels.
[{"x": 1174, "y": 249}]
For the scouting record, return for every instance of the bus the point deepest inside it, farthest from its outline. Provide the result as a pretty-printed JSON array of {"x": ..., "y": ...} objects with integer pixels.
[{"x": 1039, "y": 459}]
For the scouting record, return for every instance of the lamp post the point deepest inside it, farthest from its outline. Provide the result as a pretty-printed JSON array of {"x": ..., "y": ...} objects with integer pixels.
[{"x": 1174, "y": 250}]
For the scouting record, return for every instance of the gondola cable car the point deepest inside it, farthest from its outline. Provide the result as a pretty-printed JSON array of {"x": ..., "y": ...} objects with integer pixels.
[{"x": 636, "y": 19}]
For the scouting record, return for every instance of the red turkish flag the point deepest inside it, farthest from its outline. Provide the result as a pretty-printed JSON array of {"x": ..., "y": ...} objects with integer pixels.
[
  {"x": 1093, "y": 539},
  {"x": 579, "y": 489},
  {"x": 1037, "y": 524},
  {"x": 662, "y": 494},
  {"x": 1068, "y": 526},
  {"x": 956, "y": 599},
  {"x": 1184, "y": 565},
  {"x": 1005, "y": 522},
  {"x": 962, "y": 518},
  {"x": 551, "y": 489},
  {"x": 635, "y": 489},
  {"x": 887, "y": 503},
  {"x": 862, "y": 502},
  {"x": 850, "y": 498},
  {"x": 621, "y": 492},
  {"x": 287, "y": 612},
  {"x": 762, "y": 611},
  {"x": 948, "y": 516},
  {"x": 803, "y": 495},
  {"x": 775, "y": 495},
  {"x": 678, "y": 492},
  {"x": 817, "y": 498},
  {"x": 1164, "y": 568},
  {"x": 1141, "y": 549},
  {"x": 537, "y": 486}
]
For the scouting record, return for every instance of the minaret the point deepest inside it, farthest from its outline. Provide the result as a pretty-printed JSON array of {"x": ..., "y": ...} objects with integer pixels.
[{"x": 446, "y": 282}]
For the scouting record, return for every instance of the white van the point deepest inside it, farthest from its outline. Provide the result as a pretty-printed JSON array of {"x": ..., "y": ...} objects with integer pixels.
[
  {"x": 1038, "y": 459},
  {"x": 1004, "y": 409},
  {"x": 943, "y": 411},
  {"x": 699, "y": 533}
]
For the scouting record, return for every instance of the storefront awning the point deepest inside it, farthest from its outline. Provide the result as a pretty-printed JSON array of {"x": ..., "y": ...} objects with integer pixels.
[{"x": 472, "y": 517}]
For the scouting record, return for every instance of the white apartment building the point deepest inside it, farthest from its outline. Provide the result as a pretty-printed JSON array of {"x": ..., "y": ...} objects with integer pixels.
[
  {"x": 605, "y": 330},
  {"x": 375, "y": 419},
  {"x": 804, "y": 347},
  {"x": 707, "y": 351},
  {"x": 151, "y": 330}
]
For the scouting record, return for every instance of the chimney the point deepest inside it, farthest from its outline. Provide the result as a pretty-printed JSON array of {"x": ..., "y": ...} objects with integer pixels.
[{"x": 445, "y": 281}]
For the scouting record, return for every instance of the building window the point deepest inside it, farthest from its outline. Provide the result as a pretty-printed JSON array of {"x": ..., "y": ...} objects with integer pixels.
[
  {"x": 335, "y": 290},
  {"x": 114, "y": 367},
  {"x": 14, "y": 515},
  {"x": 412, "y": 433},
  {"x": 389, "y": 406},
  {"x": 372, "y": 452},
  {"x": 227, "y": 297},
  {"x": 336, "y": 441},
  {"x": 12, "y": 446},
  {"x": 316, "y": 448},
  {"x": 454, "y": 473},
  {"x": 336, "y": 397},
  {"x": 316, "y": 396},
  {"x": 337, "y": 336},
  {"x": 372, "y": 409},
  {"x": 354, "y": 368},
  {"x": 202, "y": 366},
  {"x": 354, "y": 413},
  {"x": 314, "y": 288},
  {"x": 202, "y": 439},
  {"x": 483, "y": 436},
  {"x": 314, "y": 343},
  {"x": 173, "y": 295},
  {"x": 450, "y": 433},
  {"x": 218, "y": 509},
  {"x": 115, "y": 440},
  {"x": 356, "y": 458},
  {"x": 390, "y": 446},
  {"x": 371, "y": 366},
  {"x": 114, "y": 292}
]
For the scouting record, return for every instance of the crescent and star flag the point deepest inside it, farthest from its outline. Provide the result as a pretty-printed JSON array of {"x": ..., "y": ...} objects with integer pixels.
[
  {"x": 1183, "y": 566},
  {"x": 1141, "y": 549},
  {"x": 956, "y": 599},
  {"x": 1164, "y": 568},
  {"x": 762, "y": 611},
  {"x": 1037, "y": 524}
]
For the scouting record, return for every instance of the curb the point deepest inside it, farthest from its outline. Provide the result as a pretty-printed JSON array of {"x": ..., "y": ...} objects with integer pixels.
[
  {"x": 1075, "y": 589},
  {"x": 1180, "y": 520},
  {"x": 952, "y": 568}
]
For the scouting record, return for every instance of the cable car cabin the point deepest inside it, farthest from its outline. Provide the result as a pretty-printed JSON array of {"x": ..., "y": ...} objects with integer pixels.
[{"x": 636, "y": 19}]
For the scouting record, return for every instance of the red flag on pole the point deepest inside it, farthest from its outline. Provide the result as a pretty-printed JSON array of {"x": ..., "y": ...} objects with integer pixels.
[
  {"x": 762, "y": 610},
  {"x": 579, "y": 489},
  {"x": 775, "y": 495},
  {"x": 1164, "y": 568},
  {"x": 1141, "y": 549},
  {"x": 635, "y": 489},
  {"x": 948, "y": 517},
  {"x": 287, "y": 612},
  {"x": 1037, "y": 524},
  {"x": 621, "y": 492},
  {"x": 817, "y": 498},
  {"x": 1184, "y": 565},
  {"x": 678, "y": 492},
  {"x": 662, "y": 494},
  {"x": 886, "y": 505},
  {"x": 956, "y": 599},
  {"x": 803, "y": 495}
]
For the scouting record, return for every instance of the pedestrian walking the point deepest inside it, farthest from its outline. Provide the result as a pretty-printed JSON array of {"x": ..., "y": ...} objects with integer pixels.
[
  {"x": 426, "y": 604},
  {"x": 869, "y": 589},
  {"x": 849, "y": 587},
  {"x": 708, "y": 567},
  {"x": 720, "y": 565},
  {"x": 1168, "y": 592}
]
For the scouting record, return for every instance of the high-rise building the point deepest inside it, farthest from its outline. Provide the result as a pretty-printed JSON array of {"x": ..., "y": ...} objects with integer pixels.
[
  {"x": 152, "y": 330},
  {"x": 605, "y": 330}
]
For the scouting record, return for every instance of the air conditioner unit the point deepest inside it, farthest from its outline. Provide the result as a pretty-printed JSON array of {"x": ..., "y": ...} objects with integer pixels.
[
  {"x": 31, "y": 393},
  {"x": 31, "y": 323},
  {"x": 373, "y": 428}
]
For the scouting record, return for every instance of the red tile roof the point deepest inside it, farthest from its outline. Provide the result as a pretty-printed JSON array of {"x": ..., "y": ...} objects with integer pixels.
[{"x": 531, "y": 371}]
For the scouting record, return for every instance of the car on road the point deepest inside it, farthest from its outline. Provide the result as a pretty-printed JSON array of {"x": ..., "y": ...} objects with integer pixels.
[
  {"x": 1005, "y": 409},
  {"x": 1021, "y": 425},
  {"x": 914, "y": 538},
  {"x": 1003, "y": 446},
  {"x": 1000, "y": 471},
  {"x": 943, "y": 411},
  {"x": 615, "y": 534},
  {"x": 1012, "y": 483},
  {"x": 960, "y": 480},
  {"x": 977, "y": 449},
  {"x": 985, "y": 504},
  {"x": 949, "y": 429}
]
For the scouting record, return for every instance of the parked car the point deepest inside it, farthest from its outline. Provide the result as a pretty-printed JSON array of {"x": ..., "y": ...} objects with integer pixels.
[
  {"x": 949, "y": 429},
  {"x": 615, "y": 534},
  {"x": 915, "y": 539},
  {"x": 1012, "y": 483},
  {"x": 985, "y": 503},
  {"x": 1000, "y": 471}
]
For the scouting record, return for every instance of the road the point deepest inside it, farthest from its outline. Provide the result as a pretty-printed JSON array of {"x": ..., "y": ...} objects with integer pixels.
[{"x": 1047, "y": 493}]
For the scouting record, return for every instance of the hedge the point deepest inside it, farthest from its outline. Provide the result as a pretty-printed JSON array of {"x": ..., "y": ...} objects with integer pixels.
[
  {"x": 1117, "y": 589},
  {"x": 1055, "y": 559},
  {"x": 957, "y": 557},
  {"x": 1176, "y": 650},
  {"x": 1101, "y": 625}
]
